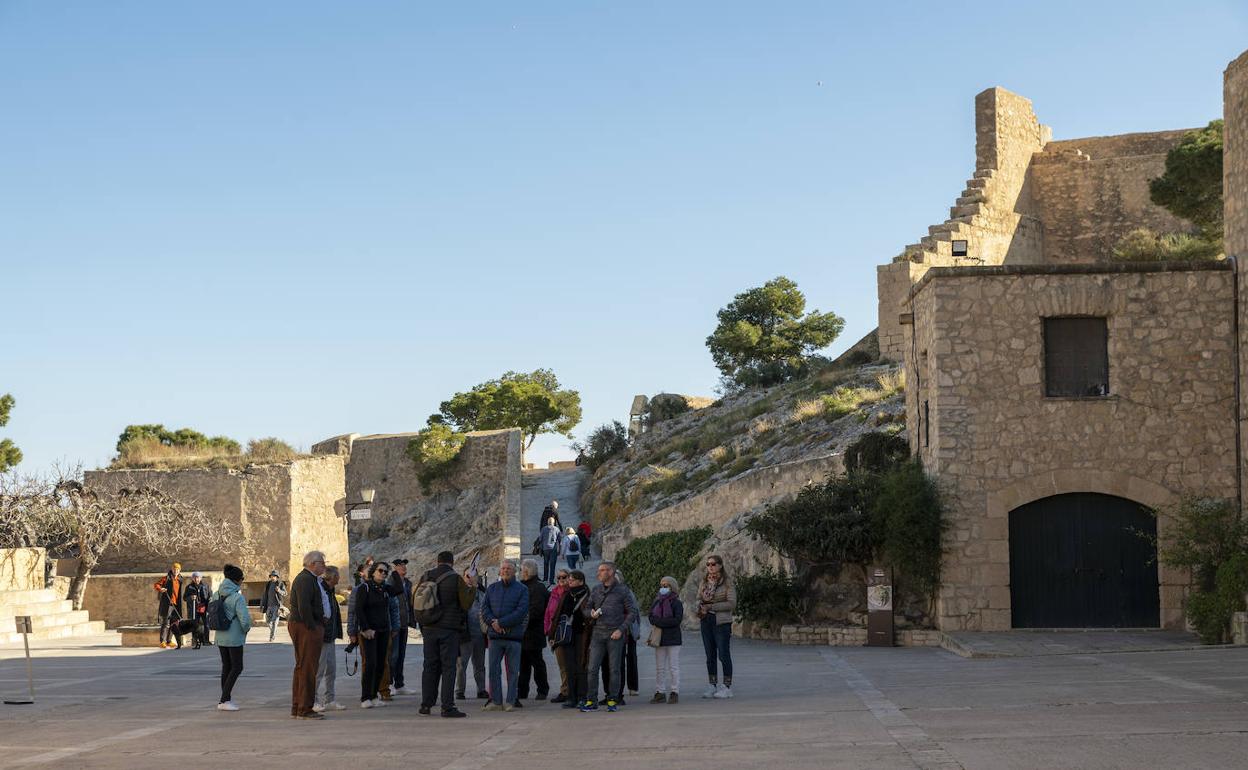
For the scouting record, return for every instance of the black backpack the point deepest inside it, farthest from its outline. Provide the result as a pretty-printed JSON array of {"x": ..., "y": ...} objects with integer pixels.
[{"x": 217, "y": 618}]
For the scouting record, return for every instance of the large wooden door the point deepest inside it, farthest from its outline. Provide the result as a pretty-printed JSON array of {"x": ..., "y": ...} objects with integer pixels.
[{"x": 1083, "y": 560}]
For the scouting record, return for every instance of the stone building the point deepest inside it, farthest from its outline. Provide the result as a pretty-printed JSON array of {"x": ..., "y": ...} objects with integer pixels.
[{"x": 1059, "y": 397}]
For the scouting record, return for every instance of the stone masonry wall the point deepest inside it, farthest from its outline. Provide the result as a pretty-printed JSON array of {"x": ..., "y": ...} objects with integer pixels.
[
  {"x": 286, "y": 508},
  {"x": 997, "y": 442},
  {"x": 1092, "y": 192},
  {"x": 478, "y": 506},
  {"x": 1235, "y": 203},
  {"x": 21, "y": 569}
]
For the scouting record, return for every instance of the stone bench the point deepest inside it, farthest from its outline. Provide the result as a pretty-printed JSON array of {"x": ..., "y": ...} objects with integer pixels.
[{"x": 139, "y": 636}]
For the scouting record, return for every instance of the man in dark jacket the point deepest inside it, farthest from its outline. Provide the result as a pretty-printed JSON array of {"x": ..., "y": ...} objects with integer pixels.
[
  {"x": 197, "y": 596},
  {"x": 506, "y": 614},
  {"x": 398, "y": 648},
  {"x": 532, "y": 664},
  {"x": 612, "y": 611},
  {"x": 442, "y": 637},
  {"x": 310, "y": 611}
]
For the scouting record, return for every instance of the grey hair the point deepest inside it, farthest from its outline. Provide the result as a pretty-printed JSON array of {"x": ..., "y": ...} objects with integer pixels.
[
  {"x": 331, "y": 571},
  {"x": 610, "y": 565},
  {"x": 505, "y": 562},
  {"x": 529, "y": 567},
  {"x": 671, "y": 580},
  {"x": 312, "y": 556}
]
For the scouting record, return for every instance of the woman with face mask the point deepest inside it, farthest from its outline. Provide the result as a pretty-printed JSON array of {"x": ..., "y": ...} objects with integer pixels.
[{"x": 665, "y": 616}]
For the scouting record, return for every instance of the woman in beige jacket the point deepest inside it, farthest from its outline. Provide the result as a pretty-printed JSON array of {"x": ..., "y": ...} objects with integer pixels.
[{"x": 717, "y": 598}]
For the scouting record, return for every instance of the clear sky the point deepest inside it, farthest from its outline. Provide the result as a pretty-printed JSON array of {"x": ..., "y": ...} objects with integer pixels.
[{"x": 301, "y": 219}]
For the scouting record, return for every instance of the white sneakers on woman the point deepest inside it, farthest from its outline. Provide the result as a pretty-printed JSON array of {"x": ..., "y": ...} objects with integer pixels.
[
  {"x": 723, "y": 691},
  {"x": 710, "y": 691},
  {"x": 227, "y": 706},
  {"x": 366, "y": 704}
]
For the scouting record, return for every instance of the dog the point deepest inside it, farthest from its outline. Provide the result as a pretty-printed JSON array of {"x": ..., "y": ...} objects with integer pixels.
[{"x": 193, "y": 627}]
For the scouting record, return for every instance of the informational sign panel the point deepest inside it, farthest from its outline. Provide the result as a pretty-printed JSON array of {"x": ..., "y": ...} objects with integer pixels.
[
  {"x": 361, "y": 514},
  {"x": 880, "y": 607}
]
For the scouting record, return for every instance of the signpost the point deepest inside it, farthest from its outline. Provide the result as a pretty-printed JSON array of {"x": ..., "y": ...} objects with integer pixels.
[
  {"x": 25, "y": 629},
  {"x": 880, "y": 607}
]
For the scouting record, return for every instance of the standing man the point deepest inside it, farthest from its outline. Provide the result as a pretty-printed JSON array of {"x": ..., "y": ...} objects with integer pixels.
[
  {"x": 398, "y": 647},
  {"x": 551, "y": 534},
  {"x": 197, "y": 596},
  {"x": 169, "y": 588},
  {"x": 612, "y": 612},
  {"x": 271, "y": 602},
  {"x": 327, "y": 669},
  {"x": 442, "y": 633},
  {"x": 532, "y": 663},
  {"x": 506, "y": 614},
  {"x": 309, "y": 613}
]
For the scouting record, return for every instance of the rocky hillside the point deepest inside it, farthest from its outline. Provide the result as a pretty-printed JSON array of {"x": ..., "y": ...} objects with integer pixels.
[{"x": 690, "y": 454}]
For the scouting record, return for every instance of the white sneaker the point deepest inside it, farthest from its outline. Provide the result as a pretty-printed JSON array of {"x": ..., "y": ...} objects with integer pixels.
[
  {"x": 710, "y": 691},
  {"x": 379, "y": 703},
  {"x": 366, "y": 704},
  {"x": 227, "y": 706},
  {"x": 404, "y": 691},
  {"x": 318, "y": 708},
  {"x": 723, "y": 692},
  {"x": 334, "y": 705}
]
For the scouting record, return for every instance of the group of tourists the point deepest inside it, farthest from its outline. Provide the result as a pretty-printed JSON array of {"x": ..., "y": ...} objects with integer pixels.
[
  {"x": 554, "y": 542},
  {"x": 501, "y": 630},
  {"x": 182, "y": 602}
]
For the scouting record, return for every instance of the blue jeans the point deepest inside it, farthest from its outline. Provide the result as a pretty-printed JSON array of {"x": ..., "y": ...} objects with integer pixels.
[
  {"x": 573, "y": 558},
  {"x": 603, "y": 646},
  {"x": 498, "y": 649},
  {"x": 550, "y": 562},
  {"x": 398, "y": 656},
  {"x": 717, "y": 641}
]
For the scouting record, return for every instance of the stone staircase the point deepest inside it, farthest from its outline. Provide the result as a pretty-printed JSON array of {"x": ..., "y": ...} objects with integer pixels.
[
  {"x": 936, "y": 248},
  {"x": 51, "y": 616}
]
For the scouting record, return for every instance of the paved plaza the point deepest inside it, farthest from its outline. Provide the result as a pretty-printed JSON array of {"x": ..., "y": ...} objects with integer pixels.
[{"x": 102, "y": 706}]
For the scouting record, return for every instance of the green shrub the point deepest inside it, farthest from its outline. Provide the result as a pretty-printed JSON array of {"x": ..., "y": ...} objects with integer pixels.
[
  {"x": 1208, "y": 537},
  {"x": 646, "y": 560},
  {"x": 1211, "y": 611},
  {"x": 1144, "y": 245},
  {"x": 605, "y": 442},
  {"x": 876, "y": 452},
  {"x": 909, "y": 514},
  {"x": 435, "y": 451},
  {"x": 665, "y": 406},
  {"x": 823, "y": 525},
  {"x": 769, "y": 598}
]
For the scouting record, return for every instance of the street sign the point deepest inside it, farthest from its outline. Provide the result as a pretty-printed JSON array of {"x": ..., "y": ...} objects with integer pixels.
[
  {"x": 361, "y": 514},
  {"x": 23, "y": 624}
]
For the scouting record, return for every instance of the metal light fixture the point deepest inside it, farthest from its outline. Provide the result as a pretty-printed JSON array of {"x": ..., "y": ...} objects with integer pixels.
[
  {"x": 362, "y": 510},
  {"x": 367, "y": 495}
]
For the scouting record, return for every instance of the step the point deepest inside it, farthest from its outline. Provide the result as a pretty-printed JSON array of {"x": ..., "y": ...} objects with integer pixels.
[
  {"x": 91, "y": 628},
  {"x": 34, "y": 596},
  {"x": 976, "y": 184},
  {"x": 985, "y": 173},
  {"x": 943, "y": 227},
  {"x": 36, "y": 608},
  {"x": 73, "y": 617},
  {"x": 969, "y": 209}
]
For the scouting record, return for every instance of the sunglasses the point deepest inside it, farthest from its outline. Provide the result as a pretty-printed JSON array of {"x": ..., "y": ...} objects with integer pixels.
[
  {"x": 382, "y": 572},
  {"x": 562, "y": 577}
]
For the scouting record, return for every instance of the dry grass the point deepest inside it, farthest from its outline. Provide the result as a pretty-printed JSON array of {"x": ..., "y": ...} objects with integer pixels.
[
  {"x": 891, "y": 383},
  {"x": 759, "y": 427},
  {"x": 806, "y": 409},
  {"x": 719, "y": 454},
  {"x": 150, "y": 453}
]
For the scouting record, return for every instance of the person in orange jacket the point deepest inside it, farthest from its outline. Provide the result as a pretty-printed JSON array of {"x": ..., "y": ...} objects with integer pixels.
[{"x": 170, "y": 589}]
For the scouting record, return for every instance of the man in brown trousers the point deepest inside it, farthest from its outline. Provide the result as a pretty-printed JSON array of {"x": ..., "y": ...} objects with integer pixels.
[{"x": 309, "y": 608}]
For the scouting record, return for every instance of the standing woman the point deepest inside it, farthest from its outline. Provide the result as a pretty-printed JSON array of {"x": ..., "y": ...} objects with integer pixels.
[
  {"x": 665, "y": 616},
  {"x": 575, "y": 645},
  {"x": 230, "y": 641},
  {"x": 372, "y": 621},
  {"x": 716, "y": 601},
  {"x": 571, "y": 548}
]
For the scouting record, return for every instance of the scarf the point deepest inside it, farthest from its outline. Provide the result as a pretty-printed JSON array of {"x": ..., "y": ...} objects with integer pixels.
[
  {"x": 663, "y": 606},
  {"x": 709, "y": 587}
]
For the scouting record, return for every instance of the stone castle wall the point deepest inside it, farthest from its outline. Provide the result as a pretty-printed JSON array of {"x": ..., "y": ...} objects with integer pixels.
[
  {"x": 478, "y": 506},
  {"x": 21, "y": 569},
  {"x": 1235, "y": 201},
  {"x": 1091, "y": 192},
  {"x": 997, "y": 442},
  {"x": 286, "y": 508}
]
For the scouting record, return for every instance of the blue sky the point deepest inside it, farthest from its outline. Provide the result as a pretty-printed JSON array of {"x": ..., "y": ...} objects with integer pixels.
[{"x": 301, "y": 219}]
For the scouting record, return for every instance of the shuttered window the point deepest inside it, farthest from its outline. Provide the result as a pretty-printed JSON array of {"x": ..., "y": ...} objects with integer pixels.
[{"x": 1076, "y": 357}]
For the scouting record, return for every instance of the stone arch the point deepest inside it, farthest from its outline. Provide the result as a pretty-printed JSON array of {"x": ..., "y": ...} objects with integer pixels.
[{"x": 1173, "y": 582}]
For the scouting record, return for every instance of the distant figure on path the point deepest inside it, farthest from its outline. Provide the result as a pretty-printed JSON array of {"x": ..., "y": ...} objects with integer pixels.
[
  {"x": 327, "y": 669},
  {"x": 271, "y": 602},
  {"x": 665, "y": 616},
  {"x": 230, "y": 641},
  {"x": 717, "y": 598},
  {"x": 550, "y": 536},
  {"x": 169, "y": 589},
  {"x": 197, "y": 596},
  {"x": 309, "y": 613},
  {"x": 552, "y": 512},
  {"x": 570, "y": 548},
  {"x": 584, "y": 530}
]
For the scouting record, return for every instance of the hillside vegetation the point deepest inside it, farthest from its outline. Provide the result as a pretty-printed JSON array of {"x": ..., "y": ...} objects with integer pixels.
[{"x": 694, "y": 451}]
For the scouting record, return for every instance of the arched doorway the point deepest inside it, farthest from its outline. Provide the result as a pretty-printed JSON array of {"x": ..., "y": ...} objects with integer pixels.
[{"x": 1083, "y": 560}]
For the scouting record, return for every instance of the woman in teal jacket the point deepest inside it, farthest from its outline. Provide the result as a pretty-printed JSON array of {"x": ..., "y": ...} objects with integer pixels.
[{"x": 230, "y": 641}]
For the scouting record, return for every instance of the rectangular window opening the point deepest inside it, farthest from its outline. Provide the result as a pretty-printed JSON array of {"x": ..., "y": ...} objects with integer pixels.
[
  {"x": 1076, "y": 357},
  {"x": 959, "y": 248}
]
